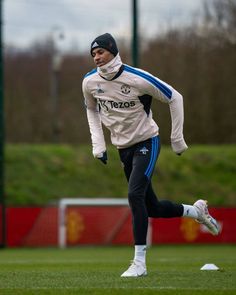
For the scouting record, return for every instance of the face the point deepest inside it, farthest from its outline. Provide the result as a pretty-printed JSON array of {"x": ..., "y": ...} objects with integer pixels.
[{"x": 101, "y": 56}]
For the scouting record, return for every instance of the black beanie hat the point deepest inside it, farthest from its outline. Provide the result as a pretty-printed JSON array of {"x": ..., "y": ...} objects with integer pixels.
[{"x": 105, "y": 41}]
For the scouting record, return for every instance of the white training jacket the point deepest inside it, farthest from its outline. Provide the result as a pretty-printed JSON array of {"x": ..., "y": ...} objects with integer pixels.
[{"x": 123, "y": 105}]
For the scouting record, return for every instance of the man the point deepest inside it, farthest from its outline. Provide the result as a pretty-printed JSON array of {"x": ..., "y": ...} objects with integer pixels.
[{"x": 119, "y": 97}]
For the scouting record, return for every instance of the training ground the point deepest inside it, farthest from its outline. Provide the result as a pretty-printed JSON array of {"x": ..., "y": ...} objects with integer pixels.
[{"x": 96, "y": 270}]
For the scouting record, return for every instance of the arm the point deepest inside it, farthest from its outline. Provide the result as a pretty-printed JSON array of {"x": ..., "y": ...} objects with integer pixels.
[
  {"x": 177, "y": 119},
  {"x": 162, "y": 91},
  {"x": 95, "y": 124}
]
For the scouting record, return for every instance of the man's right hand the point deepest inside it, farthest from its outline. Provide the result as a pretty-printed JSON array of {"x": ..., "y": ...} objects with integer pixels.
[{"x": 102, "y": 157}]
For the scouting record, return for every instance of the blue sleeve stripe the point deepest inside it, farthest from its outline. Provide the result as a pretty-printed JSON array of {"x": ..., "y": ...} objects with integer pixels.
[
  {"x": 90, "y": 73},
  {"x": 163, "y": 88}
]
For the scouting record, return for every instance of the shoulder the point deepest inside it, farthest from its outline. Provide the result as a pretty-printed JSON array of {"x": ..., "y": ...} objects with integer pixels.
[
  {"x": 135, "y": 74},
  {"x": 135, "y": 71},
  {"x": 140, "y": 73},
  {"x": 91, "y": 73},
  {"x": 88, "y": 78},
  {"x": 149, "y": 79}
]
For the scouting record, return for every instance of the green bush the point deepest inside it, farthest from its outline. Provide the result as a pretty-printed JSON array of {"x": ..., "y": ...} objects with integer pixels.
[{"x": 42, "y": 174}]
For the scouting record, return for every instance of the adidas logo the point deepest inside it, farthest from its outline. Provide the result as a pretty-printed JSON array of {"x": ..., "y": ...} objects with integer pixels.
[
  {"x": 99, "y": 89},
  {"x": 95, "y": 44},
  {"x": 144, "y": 150}
]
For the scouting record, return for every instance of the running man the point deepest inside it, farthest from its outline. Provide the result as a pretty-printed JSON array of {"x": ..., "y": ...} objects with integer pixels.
[{"x": 119, "y": 97}]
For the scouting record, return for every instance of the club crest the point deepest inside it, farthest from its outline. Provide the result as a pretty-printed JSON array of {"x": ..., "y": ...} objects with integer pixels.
[{"x": 125, "y": 89}]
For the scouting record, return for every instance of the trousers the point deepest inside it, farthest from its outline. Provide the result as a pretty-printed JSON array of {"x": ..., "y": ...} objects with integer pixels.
[{"x": 139, "y": 162}]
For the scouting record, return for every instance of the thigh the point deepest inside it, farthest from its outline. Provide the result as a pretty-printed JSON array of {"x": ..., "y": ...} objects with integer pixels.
[
  {"x": 144, "y": 159},
  {"x": 126, "y": 157}
]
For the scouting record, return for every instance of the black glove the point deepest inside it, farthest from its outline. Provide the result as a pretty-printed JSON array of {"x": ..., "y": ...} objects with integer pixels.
[{"x": 103, "y": 157}]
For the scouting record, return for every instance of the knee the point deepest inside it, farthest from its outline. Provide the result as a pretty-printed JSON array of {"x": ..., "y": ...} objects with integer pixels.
[{"x": 136, "y": 199}]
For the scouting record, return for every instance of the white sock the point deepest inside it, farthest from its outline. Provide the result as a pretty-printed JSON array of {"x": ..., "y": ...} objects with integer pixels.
[
  {"x": 190, "y": 211},
  {"x": 140, "y": 253}
]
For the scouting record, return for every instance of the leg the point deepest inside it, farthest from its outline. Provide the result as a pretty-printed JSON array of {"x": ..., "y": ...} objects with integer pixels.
[
  {"x": 139, "y": 162},
  {"x": 162, "y": 208},
  {"x": 136, "y": 188},
  {"x": 144, "y": 159}
]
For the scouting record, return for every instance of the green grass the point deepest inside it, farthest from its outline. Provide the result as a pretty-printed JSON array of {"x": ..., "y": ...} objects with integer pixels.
[
  {"x": 42, "y": 174},
  {"x": 96, "y": 270}
]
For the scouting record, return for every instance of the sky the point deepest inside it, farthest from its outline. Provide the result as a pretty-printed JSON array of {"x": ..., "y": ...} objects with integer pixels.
[{"x": 75, "y": 23}]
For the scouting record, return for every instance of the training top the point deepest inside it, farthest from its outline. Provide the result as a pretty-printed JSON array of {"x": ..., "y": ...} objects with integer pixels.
[{"x": 123, "y": 105}]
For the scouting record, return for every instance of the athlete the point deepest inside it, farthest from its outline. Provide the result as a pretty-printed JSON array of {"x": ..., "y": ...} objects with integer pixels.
[{"x": 119, "y": 97}]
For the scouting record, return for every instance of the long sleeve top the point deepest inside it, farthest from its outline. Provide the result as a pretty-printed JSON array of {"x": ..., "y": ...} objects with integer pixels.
[{"x": 123, "y": 105}]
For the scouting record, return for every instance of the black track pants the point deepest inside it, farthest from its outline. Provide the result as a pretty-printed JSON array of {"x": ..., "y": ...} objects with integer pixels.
[{"x": 139, "y": 162}]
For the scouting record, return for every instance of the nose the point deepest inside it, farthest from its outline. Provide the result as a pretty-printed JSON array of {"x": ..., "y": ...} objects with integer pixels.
[{"x": 96, "y": 57}]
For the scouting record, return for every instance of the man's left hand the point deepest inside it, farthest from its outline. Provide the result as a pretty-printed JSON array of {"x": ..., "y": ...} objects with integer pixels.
[{"x": 179, "y": 146}]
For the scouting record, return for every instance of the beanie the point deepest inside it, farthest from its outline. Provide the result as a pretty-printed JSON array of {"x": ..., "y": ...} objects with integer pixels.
[{"x": 105, "y": 41}]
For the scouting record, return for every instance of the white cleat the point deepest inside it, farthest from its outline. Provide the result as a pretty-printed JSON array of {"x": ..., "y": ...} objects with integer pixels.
[
  {"x": 205, "y": 218},
  {"x": 136, "y": 269}
]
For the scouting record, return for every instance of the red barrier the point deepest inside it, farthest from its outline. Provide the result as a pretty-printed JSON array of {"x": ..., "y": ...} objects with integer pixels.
[
  {"x": 20, "y": 221},
  {"x": 186, "y": 230},
  {"x": 37, "y": 226},
  {"x": 99, "y": 226}
]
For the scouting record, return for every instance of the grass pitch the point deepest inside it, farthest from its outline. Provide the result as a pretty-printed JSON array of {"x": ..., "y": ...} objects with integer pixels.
[{"x": 96, "y": 270}]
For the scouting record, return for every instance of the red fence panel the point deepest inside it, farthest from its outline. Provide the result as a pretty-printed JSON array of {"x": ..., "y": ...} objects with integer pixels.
[
  {"x": 38, "y": 226},
  {"x": 186, "y": 230},
  {"x": 20, "y": 221}
]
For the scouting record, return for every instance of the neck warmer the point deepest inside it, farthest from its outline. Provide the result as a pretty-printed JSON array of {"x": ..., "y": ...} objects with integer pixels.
[{"x": 109, "y": 70}]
